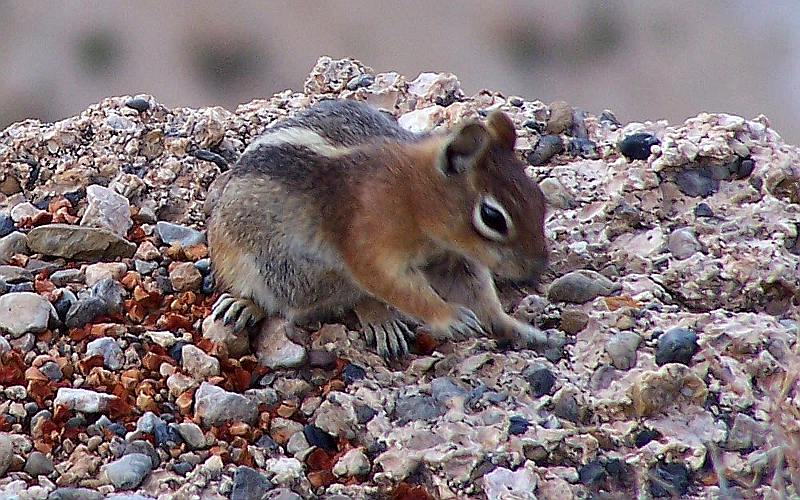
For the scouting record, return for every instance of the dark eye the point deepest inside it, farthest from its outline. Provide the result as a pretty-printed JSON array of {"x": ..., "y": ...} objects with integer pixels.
[{"x": 493, "y": 218}]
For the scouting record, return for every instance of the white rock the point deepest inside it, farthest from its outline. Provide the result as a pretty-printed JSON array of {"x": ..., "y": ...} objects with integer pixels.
[
  {"x": 24, "y": 210},
  {"x": 109, "y": 349},
  {"x": 353, "y": 463},
  {"x": 215, "y": 406},
  {"x": 83, "y": 400},
  {"x": 422, "y": 120},
  {"x": 25, "y": 312},
  {"x": 198, "y": 364},
  {"x": 107, "y": 209},
  {"x": 504, "y": 484},
  {"x": 102, "y": 270},
  {"x": 285, "y": 470}
]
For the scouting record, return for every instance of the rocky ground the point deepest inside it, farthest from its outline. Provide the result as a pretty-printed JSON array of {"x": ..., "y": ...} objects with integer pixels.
[{"x": 675, "y": 280}]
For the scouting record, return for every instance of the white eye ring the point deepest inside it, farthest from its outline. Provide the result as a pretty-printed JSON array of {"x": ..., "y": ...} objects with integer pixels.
[{"x": 483, "y": 228}]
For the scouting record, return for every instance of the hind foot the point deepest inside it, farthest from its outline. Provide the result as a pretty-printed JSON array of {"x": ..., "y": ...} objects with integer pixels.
[
  {"x": 240, "y": 313},
  {"x": 384, "y": 329}
]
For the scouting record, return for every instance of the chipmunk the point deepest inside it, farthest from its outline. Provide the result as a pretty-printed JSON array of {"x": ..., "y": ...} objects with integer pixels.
[{"x": 341, "y": 208}]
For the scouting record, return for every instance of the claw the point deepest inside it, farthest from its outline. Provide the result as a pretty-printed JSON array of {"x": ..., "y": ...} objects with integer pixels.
[
  {"x": 233, "y": 312},
  {"x": 380, "y": 341},
  {"x": 401, "y": 330},
  {"x": 221, "y": 305},
  {"x": 391, "y": 336}
]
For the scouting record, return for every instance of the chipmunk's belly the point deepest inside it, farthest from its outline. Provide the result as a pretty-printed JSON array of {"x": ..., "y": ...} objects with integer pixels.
[{"x": 295, "y": 286}]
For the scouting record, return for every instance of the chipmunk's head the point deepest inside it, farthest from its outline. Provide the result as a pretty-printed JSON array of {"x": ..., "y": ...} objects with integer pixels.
[{"x": 494, "y": 211}]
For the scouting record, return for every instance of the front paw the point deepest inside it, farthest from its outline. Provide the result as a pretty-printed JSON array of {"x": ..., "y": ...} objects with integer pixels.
[
  {"x": 240, "y": 313},
  {"x": 462, "y": 325},
  {"x": 390, "y": 338}
]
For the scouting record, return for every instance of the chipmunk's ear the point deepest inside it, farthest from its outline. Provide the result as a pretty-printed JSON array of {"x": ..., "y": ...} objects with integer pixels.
[
  {"x": 502, "y": 129},
  {"x": 465, "y": 149}
]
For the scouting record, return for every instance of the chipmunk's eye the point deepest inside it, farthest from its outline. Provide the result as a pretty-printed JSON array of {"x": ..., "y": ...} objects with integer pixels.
[{"x": 490, "y": 219}]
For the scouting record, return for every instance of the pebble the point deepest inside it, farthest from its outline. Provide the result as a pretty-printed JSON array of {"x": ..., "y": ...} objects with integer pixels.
[
  {"x": 318, "y": 437},
  {"x": 683, "y": 243},
  {"x": 284, "y": 470},
  {"x": 144, "y": 267},
  {"x": 184, "y": 236},
  {"x": 13, "y": 244},
  {"x": 6, "y": 224},
  {"x": 364, "y": 413},
  {"x": 703, "y": 210},
  {"x": 518, "y": 425},
  {"x": 192, "y": 435},
  {"x": 84, "y": 311},
  {"x": 696, "y": 183},
  {"x": 745, "y": 433},
  {"x": 249, "y": 484},
  {"x": 182, "y": 468},
  {"x": 15, "y": 274},
  {"x": 645, "y": 436},
  {"x": 297, "y": 445},
  {"x": 267, "y": 443},
  {"x": 184, "y": 276},
  {"x": 79, "y": 243},
  {"x": 198, "y": 364},
  {"x": 556, "y": 194},
  {"x": 275, "y": 350},
  {"x": 139, "y": 104},
  {"x": 83, "y": 400},
  {"x": 107, "y": 209},
  {"x": 25, "y": 312},
  {"x": 282, "y": 429},
  {"x": 591, "y": 473},
  {"x": 320, "y": 358},
  {"x": 215, "y": 406},
  {"x": 637, "y": 146},
  {"x": 6, "y": 453},
  {"x": 445, "y": 389},
  {"x": 70, "y": 493},
  {"x": 25, "y": 210},
  {"x": 676, "y": 345},
  {"x": 560, "y": 118},
  {"x": 178, "y": 383},
  {"x": 580, "y": 286},
  {"x": 107, "y": 347},
  {"x": 64, "y": 302},
  {"x": 622, "y": 349},
  {"x": 573, "y": 321},
  {"x": 547, "y": 147},
  {"x": 416, "y": 407},
  {"x": 143, "y": 447},
  {"x": 65, "y": 276},
  {"x": 129, "y": 471},
  {"x": 354, "y": 463},
  {"x": 38, "y": 464},
  {"x": 504, "y": 483},
  {"x": 352, "y": 373},
  {"x": 4, "y": 345},
  {"x": 112, "y": 293},
  {"x": 147, "y": 422},
  {"x": 669, "y": 480},
  {"x": 95, "y": 273}
]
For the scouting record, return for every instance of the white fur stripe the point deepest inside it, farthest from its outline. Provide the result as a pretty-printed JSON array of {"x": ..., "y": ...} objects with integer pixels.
[{"x": 296, "y": 136}]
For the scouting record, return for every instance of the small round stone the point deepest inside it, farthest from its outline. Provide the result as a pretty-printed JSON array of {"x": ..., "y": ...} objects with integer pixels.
[
  {"x": 542, "y": 382},
  {"x": 352, "y": 372},
  {"x": 676, "y": 345},
  {"x": 637, "y": 146},
  {"x": 139, "y": 104},
  {"x": 591, "y": 473},
  {"x": 518, "y": 425}
]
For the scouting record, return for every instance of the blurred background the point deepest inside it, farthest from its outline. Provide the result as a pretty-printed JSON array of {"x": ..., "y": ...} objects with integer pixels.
[{"x": 642, "y": 59}]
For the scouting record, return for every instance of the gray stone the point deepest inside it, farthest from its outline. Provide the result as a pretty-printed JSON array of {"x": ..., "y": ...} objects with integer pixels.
[
  {"x": 83, "y": 400},
  {"x": 249, "y": 484},
  {"x": 129, "y": 471},
  {"x": 112, "y": 293},
  {"x": 444, "y": 389},
  {"x": 25, "y": 312},
  {"x": 107, "y": 347},
  {"x": 580, "y": 287},
  {"x": 107, "y": 209},
  {"x": 6, "y": 453},
  {"x": 353, "y": 463},
  {"x": 38, "y": 464},
  {"x": 12, "y": 244},
  {"x": 215, "y": 406},
  {"x": 683, "y": 243},
  {"x": 192, "y": 435},
  {"x": 274, "y": 349},
  {"x": 15, "y": 274},
  {"x": 182, "y": 235},
  {"x": 622, "y": 349},
  {"x": 198, "y": 364},
  {"x": 85, "y": 311},
  {"x": 70, "y": 493},
  {"x": 52, "y": 371},
  {"x": 4, "y": 345},
  {"x": 78, "y": 242},
  {"x": 745, "y": 433},
  {"x": 147, "y": 422},
  {"x": 417, "y": 407},
  {"x": 25, "y": 210},
  {"x": 65, "y": 276},
  {"x": 140, "y": 446},
  {"x": 282, "y": 494}
]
